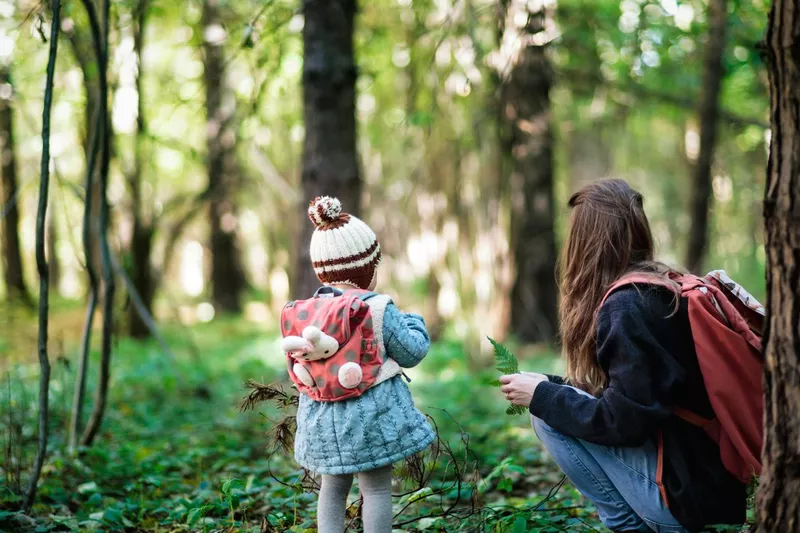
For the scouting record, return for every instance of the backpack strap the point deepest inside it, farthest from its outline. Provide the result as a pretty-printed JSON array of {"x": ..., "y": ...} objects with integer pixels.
[
  {"x": 377, "y": 305},
  {"x": 641, "y": 278}
]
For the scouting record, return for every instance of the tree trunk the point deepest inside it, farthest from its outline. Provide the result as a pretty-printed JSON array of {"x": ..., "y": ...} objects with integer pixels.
[
  {"x": 525, "y": 98},
  {"x": 714, "y": 71},
  {"x": 41, "y": 261},
  {"x": 141, "y": 245},
  {"x": 84, "y": 48},
  {"x": 778, "y": 504},
  {"x": 94, "y": 129},
  {"x": 13, "y": 272},
  {"x": 104, "y": 374},
  {"x": 51, "y": 236},
  {"x": 227, "y": 275},
  {"x": 330, "y": 159},
  {"x": 82, "y": 45}
]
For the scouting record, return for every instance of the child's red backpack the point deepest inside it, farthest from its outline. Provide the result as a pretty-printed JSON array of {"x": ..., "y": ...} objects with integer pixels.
[
  {"x": 334, "y": 344},
  {"x": 726, "y": 325}
]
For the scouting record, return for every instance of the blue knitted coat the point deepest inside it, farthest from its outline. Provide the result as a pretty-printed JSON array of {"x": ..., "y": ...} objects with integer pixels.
[{"x": 379, "y": 427}]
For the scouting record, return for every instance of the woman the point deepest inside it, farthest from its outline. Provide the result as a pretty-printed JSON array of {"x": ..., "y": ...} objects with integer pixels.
[{"x": 630, "y": 363}]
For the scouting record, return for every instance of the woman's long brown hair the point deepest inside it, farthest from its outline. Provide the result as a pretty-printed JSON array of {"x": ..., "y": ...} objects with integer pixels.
[{"x": 609, "y": 236}]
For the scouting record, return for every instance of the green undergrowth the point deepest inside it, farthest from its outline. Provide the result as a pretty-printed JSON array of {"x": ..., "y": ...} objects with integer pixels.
[{"x": 176, "y": 454}]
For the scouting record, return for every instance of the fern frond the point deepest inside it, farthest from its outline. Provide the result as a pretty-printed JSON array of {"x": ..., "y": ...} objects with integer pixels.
[
  {"x": 516, "y": 410},
  {"x": 505, "y": 361}
]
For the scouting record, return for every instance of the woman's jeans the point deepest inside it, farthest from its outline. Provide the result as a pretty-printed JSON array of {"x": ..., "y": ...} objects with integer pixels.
[{"x": 620, "y": 481}]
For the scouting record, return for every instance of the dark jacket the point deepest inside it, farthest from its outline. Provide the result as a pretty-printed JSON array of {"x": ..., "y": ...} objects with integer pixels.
[{"x": 652, "y": 368}]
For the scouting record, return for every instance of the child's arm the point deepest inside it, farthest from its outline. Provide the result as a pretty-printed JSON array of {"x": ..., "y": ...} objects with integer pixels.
[{"x": 405, "y": 337}]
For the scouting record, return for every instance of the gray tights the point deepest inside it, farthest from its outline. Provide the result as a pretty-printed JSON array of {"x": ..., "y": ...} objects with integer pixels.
[{"x": 376, "y": 489}]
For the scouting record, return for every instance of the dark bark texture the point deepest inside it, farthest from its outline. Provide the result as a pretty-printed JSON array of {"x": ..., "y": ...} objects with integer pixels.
[
  {"x": 227, "y": 275},
  {"x": 525, "y": 98},
  {"x": 330, "y": 159},
  {"x": 713, "y": 74},
  {"x": 9, "y": 210},
  {"x": 778, "y": 501}
]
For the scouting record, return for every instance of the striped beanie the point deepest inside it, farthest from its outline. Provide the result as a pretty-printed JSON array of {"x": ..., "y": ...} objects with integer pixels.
[{"x": 343, "y": 248}]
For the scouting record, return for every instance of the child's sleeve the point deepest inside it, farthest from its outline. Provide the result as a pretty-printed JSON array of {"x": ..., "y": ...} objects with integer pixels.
[{"x": 405, "y": 337}]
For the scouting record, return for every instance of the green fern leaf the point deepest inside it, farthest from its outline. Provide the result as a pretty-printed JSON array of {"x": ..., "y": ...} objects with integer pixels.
[
  {"x": 516, "y": 410},
  {"x": 506, "y": 363}
]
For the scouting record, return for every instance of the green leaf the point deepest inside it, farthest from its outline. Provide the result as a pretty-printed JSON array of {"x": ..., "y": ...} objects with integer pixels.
[
  {"x": 194, "y": 515},
  {"x": 112, "y": 515},
  {"x": 520, "y": 525},
  {"x": 516, "y": 410},
  {"x": 421, "y": 494},
  {"x": 229, "y": 485},
  {"x": 86, "y": 488},
  {"x": 505, "y": 361}
]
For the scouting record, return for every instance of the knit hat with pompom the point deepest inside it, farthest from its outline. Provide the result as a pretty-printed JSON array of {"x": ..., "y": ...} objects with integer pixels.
[{"x": 343, "y": 248}]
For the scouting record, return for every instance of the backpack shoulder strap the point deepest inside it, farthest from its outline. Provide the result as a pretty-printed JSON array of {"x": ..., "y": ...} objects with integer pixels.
[
  {"x": 641, "y": 278},
  {"x": 367, "y": 295},
  {"x": 377, "y": 307}
]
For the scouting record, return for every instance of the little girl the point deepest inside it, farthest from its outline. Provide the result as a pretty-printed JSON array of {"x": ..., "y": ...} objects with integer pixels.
[{"x": 365, "y": 434}]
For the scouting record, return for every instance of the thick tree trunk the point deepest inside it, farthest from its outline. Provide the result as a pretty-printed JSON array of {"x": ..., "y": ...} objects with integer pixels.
[
  {"x": 41, "y": 262},
  {"x": 714, "y": 71},
  {"x": 227, "y": 275},
  {"x": 778, "y": 502},
  {"x": 330, "y": 159},
  {"x": 13, "y": 272},
  {"x": 141, "y": 245},
  {"x": 525, "y": 97}
]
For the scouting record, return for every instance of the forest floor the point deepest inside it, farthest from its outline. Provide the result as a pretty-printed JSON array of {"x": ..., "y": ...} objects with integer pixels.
[{"x": 176, "y": 454}]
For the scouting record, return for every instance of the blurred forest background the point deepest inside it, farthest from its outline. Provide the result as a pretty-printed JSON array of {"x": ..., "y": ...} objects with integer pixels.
[{"x": 456, "y": 128}]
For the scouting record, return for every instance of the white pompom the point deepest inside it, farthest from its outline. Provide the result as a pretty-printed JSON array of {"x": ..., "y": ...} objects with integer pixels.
[
  {"x": 324, "y": 209},
  {"x": 350, "y": 375}
]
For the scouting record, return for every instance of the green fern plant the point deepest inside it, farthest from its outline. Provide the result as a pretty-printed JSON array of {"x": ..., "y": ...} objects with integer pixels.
[{"x": 506, "y": 363}]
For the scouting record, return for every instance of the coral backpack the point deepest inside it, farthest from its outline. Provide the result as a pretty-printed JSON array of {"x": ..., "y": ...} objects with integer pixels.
[
  {"x": 726, "y": 324},
  {"x": 334, "y": 344}
]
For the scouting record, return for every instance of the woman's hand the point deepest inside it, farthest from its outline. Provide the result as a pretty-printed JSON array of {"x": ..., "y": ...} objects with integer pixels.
[{"x": 519, "y": 388}]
